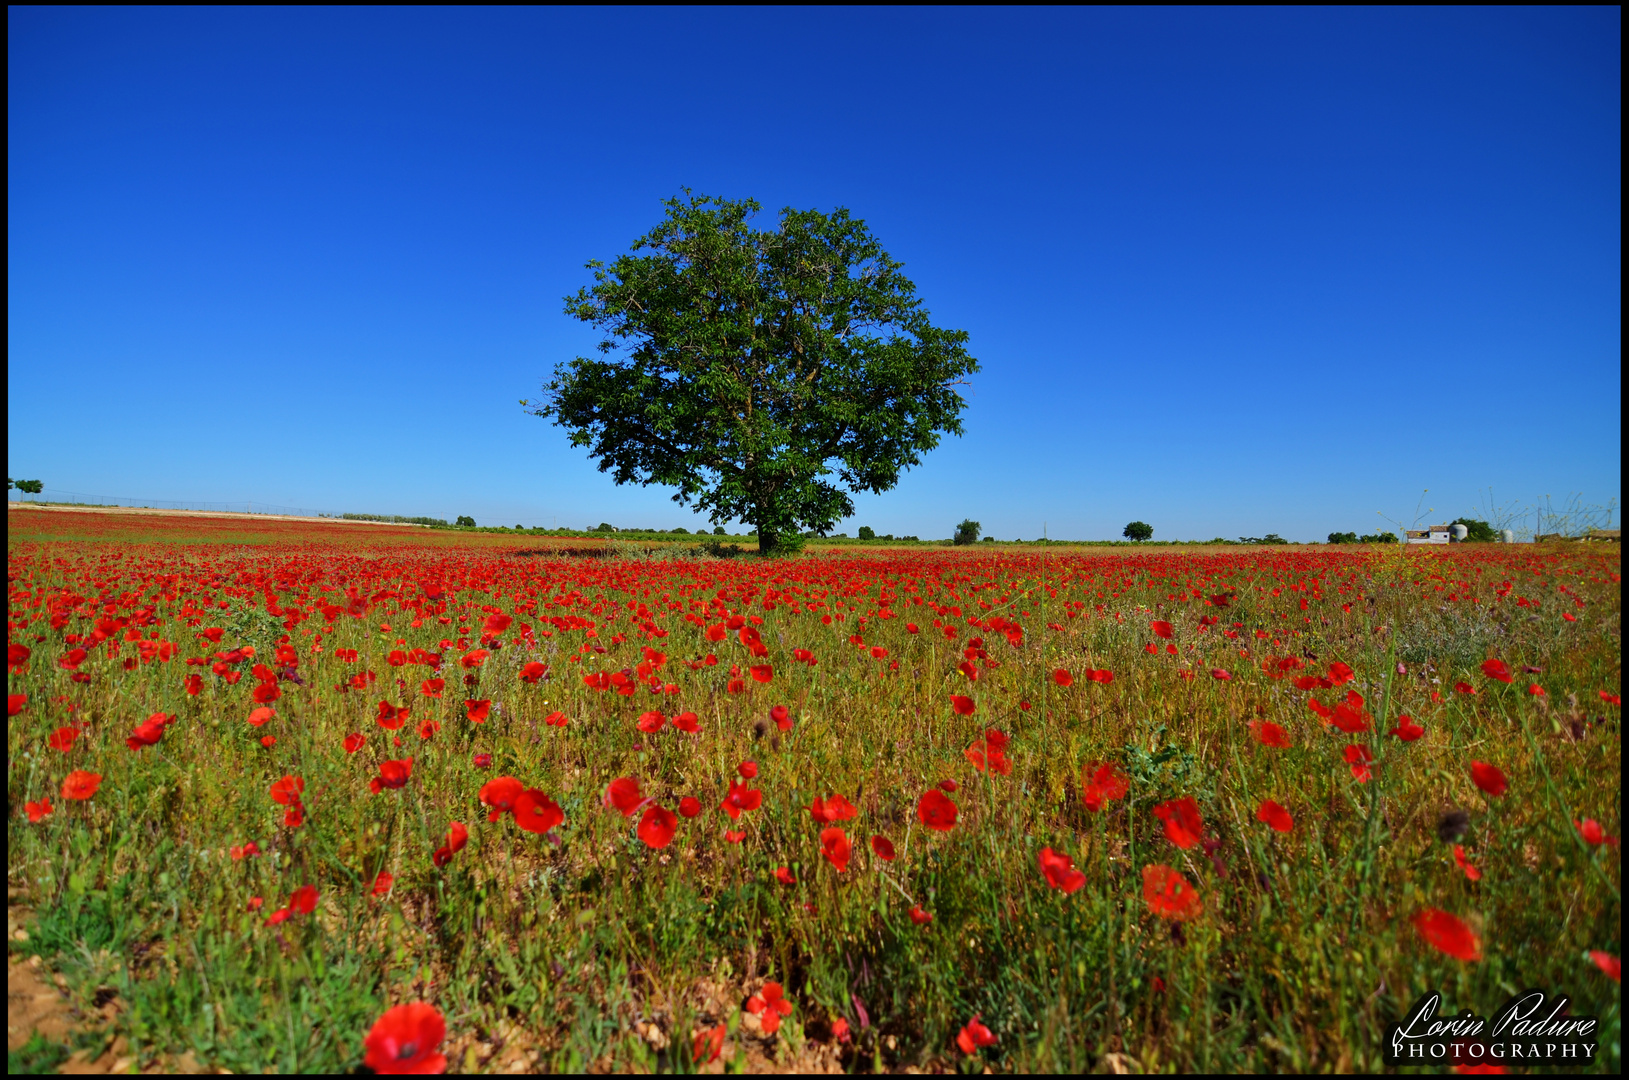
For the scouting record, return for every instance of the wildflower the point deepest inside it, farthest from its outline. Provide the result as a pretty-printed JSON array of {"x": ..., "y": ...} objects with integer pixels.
[
  {"x": 1161, "y": 628},
  {"x": 1464, "y": 864},
  {"x": 748, "y": 770},
  {"x": 1104, "y": 783},
  {"x": 1268, "y": 733},
  {"x": 500, "y": 793},
  {"x": 457, "y": 837},
  {"x": 261, "y": 715},
  {"x": 391, "y": 718},
  {"x": 883, "y": 847},
  {"x": 1610, "y": 699},
  {"x": 739, "y": 798},
  {"x": 1406, "y": 729},
  {"x": 405, "y": 1040},
  {"x": 920, "y": 917},
  {"x": 1274, "y": 816},
  {"x": 708, "y": 1045},
  {"x": 1183, "y": 826},
  {"x": 1340, "y": 674},
  {"x": 392, "y": 774},
  {"x": 769, "y": 1005},
  {"x": 936, "y": 811},
  {"x": 1464, "y": 688},
  {"x": 473, "y": 659},
  {"x": 533, "y": 671},
  {"x": 535, "y": 812},
  {"x": 963, "y": 706},
  {"x": 1447, "y": 933},
  {"x": 948, "y": 785},
  {"x": 1220, "y": 674},
  {"x": 832, "y": 808},
  {"x": 382, "y": 884},
  {"x": 1359, "y": 757},
  {"x": 735, "y": 836},
  {"x": 239, "y": 852},
  {"x": 1490, "y": 778},
  {"x": 1611, "y": 965},
  {"x": 782, "y": 717},
  {"x": 286, "y": 792},
  {"x": 974, "y": 1037},
  {"x": 354, "y": 742},
  {"x": 1060, "y": 871},
  {"x": 783, "y": 875},
  {"x": 687, "y": 722},
  {"x": 1497, "y": 669},
  {"x": 762, "y": 673},
  {"x": 148, "y": 732},
  {"x": 624, "y": 795},
  {"x": 689, "y": 806},
  {"x": 651, "y": 722},
  {"x": 477, "y": 711},
  {"x": 835, "y": 847},
  {"x": 1592, "y": 834},
  {"x": 1063, "y": 678},
  {"x": 62, "y": 738},
  {"x": 1169, "y": 895},
  {"x": 37, "y": 811}
]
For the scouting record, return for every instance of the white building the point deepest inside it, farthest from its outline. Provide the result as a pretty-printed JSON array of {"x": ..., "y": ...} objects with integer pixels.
[{"x": 1436, "y": 534}]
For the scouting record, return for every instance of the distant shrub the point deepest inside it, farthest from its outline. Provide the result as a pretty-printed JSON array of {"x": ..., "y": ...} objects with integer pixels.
[
  {"x": 680, "y": 531},
  {"x": 867, "y": 533},
  {"x": 1379, "y": 538},
  {"x": 465, "y": 522},
  {"x": 718, "y": 530},
  {"x": 397, "y": 519},
  {"x": 967, "y": 532},
  {"x": 1343, "y": 538},
  {"x": 603, "y": 527},
  {"x": 1477, "y": 532},
  {"x": 1138, "y": 531}
]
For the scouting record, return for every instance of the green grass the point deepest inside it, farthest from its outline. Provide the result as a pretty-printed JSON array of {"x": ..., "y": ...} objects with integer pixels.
[{"x": 1303, "y": 953}]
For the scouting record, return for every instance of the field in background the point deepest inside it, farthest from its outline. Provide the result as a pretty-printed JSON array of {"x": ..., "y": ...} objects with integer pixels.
[{"x": 1037, "y": 694}]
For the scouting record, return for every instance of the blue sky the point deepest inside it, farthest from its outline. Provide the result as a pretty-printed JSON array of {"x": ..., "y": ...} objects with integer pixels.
[{"x": 1227, "y": 272}]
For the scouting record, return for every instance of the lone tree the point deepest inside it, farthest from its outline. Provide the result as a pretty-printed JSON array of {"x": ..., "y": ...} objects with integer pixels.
[
  {"x": 765, "y": 374},
  {"x": 967, "y": 532},
  {"x": 1138, "y": 530}
]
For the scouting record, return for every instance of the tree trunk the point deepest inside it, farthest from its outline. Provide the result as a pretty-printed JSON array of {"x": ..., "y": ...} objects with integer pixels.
[{"x": 767, "y": 541}]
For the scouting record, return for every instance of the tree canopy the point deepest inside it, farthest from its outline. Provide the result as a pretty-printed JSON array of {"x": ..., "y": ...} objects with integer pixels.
[
  {"x": 1138, "y": 530},
  {"x": 764, "y": 374}
]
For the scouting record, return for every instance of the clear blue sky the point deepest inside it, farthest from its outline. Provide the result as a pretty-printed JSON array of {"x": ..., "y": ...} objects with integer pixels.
[{"x": 1227, "y": 272}]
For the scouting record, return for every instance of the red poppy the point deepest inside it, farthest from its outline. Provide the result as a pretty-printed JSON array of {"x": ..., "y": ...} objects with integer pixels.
[
  {"x": 194, "y": 685},
  {"x": 1060, "y": 871},
  {"x": 303, "y": 901},
  {"x": 884, "y": 848},
  {"x": 1270, "y": 734},
  {"x": 689, "y": 806},
  {"x": 1220, "y": 674},
  {"x": 832, "y": 808},
  {"x": 747, "y": 769},
  {"x": 1497, "y": 669},
  {"x": 920, "y": 917},
  {"x": 405, "y": 1040},
  {"x": 533, "y": 671},
  {"x": 623, "y": 795},
  {"x": 148, "y": 732},
  {"x": 1590, "y": 831},
  {"x": 266, "y": 693},
  {"x": 1063, "y": 678},
  {"x": 1359, "y": 757},
  {"x": 1169, "y": 895},
  {"x": 1274, "y": 816},
  {"x": 1313, "y": 682},
  {"x": 1448, "y": 934},
  {"x": 651, "y": 722},
  {"x": 1464, "y": 864},
  {"x": 1490, "y": 778},
  {"x": 948, "y": 785},
  {"x": 964, "y": 706},
  {"x": 1464, "y": 688},
  {"x": 495, "y": 625},
  {"x": 1406, "y": 728},
  {"x": 535, "y": 812},
  {"x": 1610, "y": 699},
  {"x": 1340, "y": 674},
  {"x": 1349, "y": 715},
  {"x": 17, "y": 656},
  {"x": 687, "y": 722},
  {"x": 657, "y": 825},
  {"x": 1611, "y": 965},
  {"x": 37, "y": 810},
  {"x": 286, "y": 792},
  {"x": 245, "y": 851},
  {"x": 1103, "y": 783},
  {"x": 478, "y": 711},
  {"x": 1183, "y": 826},
  {"x": 261, "y": 715},
  {"x": 936, "y": 811},
  {"x": 1100, "y": 676},
  {"x": 734, "y": 836},
  {"x": 782, "y": 717},
  {"x": 382, "y": 884},
  {"x": 770, "y": 1006},
  {"x": 500, "y": 793},
  {"x": 473, "y": 659},
  {"x": 1536, "y": 690},
  {"x": 739, "y": 798},
  {"x": 391, "y": 718},
  {"x": 708, "y": 1044},
  {"x": 974, "y": 1037},
  {"x": 392, "y": 774},
  {"x": 834, "y": 845},
  {"x": 762, "y": 673},
  {"x": 62, "y": 738},
  {"x": 354, "y": 742},
  {"x": 783, "y": 875}
]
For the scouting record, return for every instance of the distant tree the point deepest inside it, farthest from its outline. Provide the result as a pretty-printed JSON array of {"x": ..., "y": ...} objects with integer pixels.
[
  {"x": 967, "y": 532},
  {"x": 603, "y": 527},
  {"x": 765, "y": 374},
  {"x": 1477, "y": 532},
  {"x": 30, "y": 487},
  {"x": 718, "y": 530},
  {"x": 1343, "y": 538},
  {"x": 465, "y": 522},
  {"x": 1378, "y": 538},
  {"x": 681, "y": 531},
  {"x": 1138, "y": 530},
  {"x": 867, "y": 533},
  {"x": 989, "y": 540}
]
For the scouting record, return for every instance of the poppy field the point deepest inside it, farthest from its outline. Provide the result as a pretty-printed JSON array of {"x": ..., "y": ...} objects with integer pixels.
[{"x": 313, "y": 798}]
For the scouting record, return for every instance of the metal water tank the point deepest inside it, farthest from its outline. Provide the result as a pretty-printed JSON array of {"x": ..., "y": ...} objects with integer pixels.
[
  {"x": 1458, "y": 532},
  {"x": 1508, "y": 536}
]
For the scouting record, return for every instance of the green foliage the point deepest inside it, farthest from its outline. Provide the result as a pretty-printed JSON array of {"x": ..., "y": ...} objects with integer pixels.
[
  {"x": 400, "y": 520},
  {"x": 764, "y": 374},
  {"x": 1270, "y": 538},
  {"x": 1138, "y": 530},
  {"x": 604, "y": 527},
  {"x": 38, "y": 1056},
  {"x": 29, "y": 487},
  {"x": 1379, "y": 538},
  {"x": 1343, "y": 538},
  {"x": 465, "y": 522},
  {"x": 1477, "y": 532},
  {"x": 718, "y": 530},
  {"x": 867, "y": 533},
  {"x": 967, "y": 532}
]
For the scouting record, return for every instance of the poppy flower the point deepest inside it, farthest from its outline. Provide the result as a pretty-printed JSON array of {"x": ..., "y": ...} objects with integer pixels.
[
  {"x": 391, "y": 718},
  {"x": 657, "y": 825},
  {"x": 1268, "y": 733},
  {"x": 1590, "y": 831},
  {"x": 1060, "y": 871},
  {"x": 734, "y": 836},
  {"x": 1274, "y": 816},
  {"x": 964, "y": 706},
  {"x": 266, "y": 693},
  {"x": 739, "y": 798},
  {"x": 1100, "y": 675},
  {"x": 354, "y": 742},
  {"x": 987, "y": 754},
  {"x": 1464, "y": 864},
  {"x": 62, "y": 738},
  {"x": 974, "y": 1037},
  {"x": 936, "y": 811},
  {"x": 1464, "y": 688},
  {"x": 883, "y": 847},
  {"x": 1170, "y": 895},
  {"x": 747, "y": 769},
  {"x": 1161, "y": 628},
  {"x": 1349, "y": 715},
  {"x": 303, "y": 901},
  {"x": 245, "y": 851},
  {"x": 286, "y": 792},
  {"x": 1313, "y": 682},
  {"x": 1406, "y": 729},
  {"x": 1490, "y": 778},
  {"x": 473, "y": 659},
  {"x": 1359, "y": 757},
  {"x": 782, "y": 717},
  {"x": 261, "y": 715},
  {"x": 1221, "y": 674},
  {"x": 707, "y": 1045},
  {"x": 148, "y": 732},
  {"x": 1340, "y": 674},
  {"x": 17, "y": 656},
  {"x": 392, "y": 774},
  {"x": 405, "y": 1040},
  {"x": 500, "y": 793},
  {"x": 623, "y": 795},
  {"x": 762, "y": 673},
  {"x": 784, "y": 876},
  {"x": 1497, "y": 669},
  {"x": 1103, "y": 783},
  {"x": 1063, "y": 678},
  {"x": 535, "y": 812},
  {"x": 651, "y": 722},
  {"x": 948, "y": 785},
  {"x": 1183, "y": 826},
  {"x": 194, "y": 685},
  {"x": 769, "y": 1005},
  {"x": 687, "y": 722},
  {"x": 920, "y": 917},
  {"x": 382, "y": 884},
  {"x": 1448, "y": 934},
  {"x": 832, "y": 808},
  {"x": 1611, "y": 965},
  {"x": 37, "y": 810},
  {"x": 1610, "y": 699},
  {"x": 689, "y": 806},
  {"x": 834, "y": 845}
]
